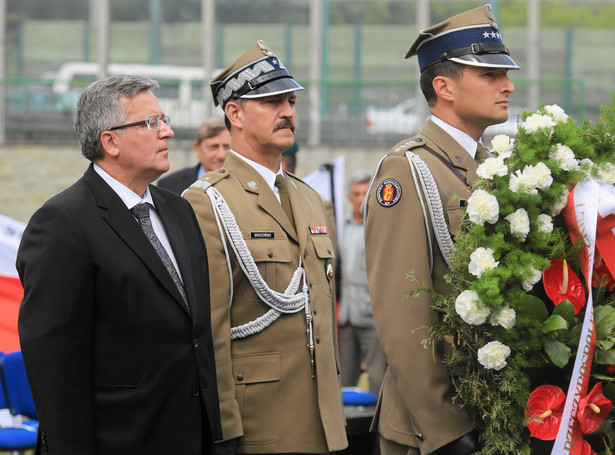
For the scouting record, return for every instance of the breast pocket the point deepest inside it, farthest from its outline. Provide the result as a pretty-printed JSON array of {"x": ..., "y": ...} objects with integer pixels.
[
  {"x": 271, "y": 256},
  {"x": 455, "y": 214}
]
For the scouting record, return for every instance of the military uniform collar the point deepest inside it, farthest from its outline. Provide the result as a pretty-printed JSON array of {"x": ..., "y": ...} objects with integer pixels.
[
  {"x": 467, "y": 142},
  {"x": 267, "y": 175}
]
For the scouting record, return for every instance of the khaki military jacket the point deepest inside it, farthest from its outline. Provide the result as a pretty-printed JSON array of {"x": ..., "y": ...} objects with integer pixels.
[
  {"x": 415, "y": 407},
  {"x": 268, "y": 397}
]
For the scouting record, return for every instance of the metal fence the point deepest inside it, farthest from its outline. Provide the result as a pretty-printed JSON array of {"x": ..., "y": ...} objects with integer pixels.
[{"x": 358, "y": 112}]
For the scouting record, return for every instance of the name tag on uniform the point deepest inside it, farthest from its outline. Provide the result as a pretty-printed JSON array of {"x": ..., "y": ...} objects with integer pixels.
[{"x": 262, "y": 235}]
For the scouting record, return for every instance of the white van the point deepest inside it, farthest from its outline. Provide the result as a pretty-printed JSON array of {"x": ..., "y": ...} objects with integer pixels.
[{"x": 180, "y": 93}]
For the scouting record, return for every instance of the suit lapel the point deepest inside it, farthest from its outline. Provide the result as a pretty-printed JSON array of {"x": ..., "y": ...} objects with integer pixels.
[
  {"x": 117, "y": 215},
  {"x": 180, "y": 250}
]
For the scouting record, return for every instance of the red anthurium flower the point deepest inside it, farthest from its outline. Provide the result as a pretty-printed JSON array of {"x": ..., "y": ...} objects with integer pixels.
[
  {"x": 561, "y": 283},
  {"x": 544, "y": 411},
  {"x": 593, "y": 409}
]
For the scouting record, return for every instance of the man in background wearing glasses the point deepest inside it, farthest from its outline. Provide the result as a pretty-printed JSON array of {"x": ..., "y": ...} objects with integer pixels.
[{"x": 115, "y": 323}]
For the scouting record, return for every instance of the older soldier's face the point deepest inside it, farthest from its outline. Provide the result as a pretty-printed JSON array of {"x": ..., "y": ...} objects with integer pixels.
[
  {"x": 481, "y": 97},
  {"x": 270, "y": 122}
]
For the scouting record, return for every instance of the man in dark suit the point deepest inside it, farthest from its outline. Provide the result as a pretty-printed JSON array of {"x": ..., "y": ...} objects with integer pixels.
[
  {"x": 116, "y": 333},
  {"x": 213, "y": 141}
]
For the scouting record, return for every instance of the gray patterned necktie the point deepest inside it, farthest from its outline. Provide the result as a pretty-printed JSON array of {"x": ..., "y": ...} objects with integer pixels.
[
  {"x": 481, "y": 153},
  {"x": 141, "y": 211},
  {"x": 280, "y": 182}
]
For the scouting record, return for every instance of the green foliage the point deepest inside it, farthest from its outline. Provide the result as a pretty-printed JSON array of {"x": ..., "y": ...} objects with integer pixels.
[{"x": 544, "y": 337}]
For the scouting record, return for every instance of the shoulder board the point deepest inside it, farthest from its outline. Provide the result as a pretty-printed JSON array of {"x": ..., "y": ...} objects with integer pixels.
[
  {"x": 408, "y": 144},
  {"x": 210, "y": 179}
]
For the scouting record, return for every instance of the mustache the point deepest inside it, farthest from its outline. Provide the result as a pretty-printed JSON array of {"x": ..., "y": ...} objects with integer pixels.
[{"x": 285, "y": 124}]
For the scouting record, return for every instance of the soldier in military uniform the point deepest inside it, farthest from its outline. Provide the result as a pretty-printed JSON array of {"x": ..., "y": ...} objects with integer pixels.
[
  {"x": 271, "y": 264},
  {"x": 464, "y": 67}
]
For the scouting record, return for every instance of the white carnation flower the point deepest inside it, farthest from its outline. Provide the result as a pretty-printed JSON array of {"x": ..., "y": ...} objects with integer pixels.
[
  {"x": 557, "y": 113},
  {"x": 606, "y": 173},
  {"x": 493, "y": 355},
  {"x": 545, "y": 223},
  {"x": 537, "y": 121},
  {"x": 481, "y": 260},
  {"x": 504, "y": 316},
  {"x": 586, "y": 165},
  {"x": 469, "y": 307},
  {"x": 519, "y": 223},
  {"x": 529, "y": 282},
  {"x": 492, "y": 166},
  {"x": 542, "y": 174},
  {"x": 564, "y": 157},
  {"x": 559, "y": 205},
  {"x": 483, "y": 207},
  {"x": 523, "y": 182},
  {"x": 502, "y": 146}
]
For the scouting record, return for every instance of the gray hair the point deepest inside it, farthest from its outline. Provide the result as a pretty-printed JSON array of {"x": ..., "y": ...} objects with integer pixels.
[
  {"x": 98, "y": 109},
  {"x": 361, "y": 175}
]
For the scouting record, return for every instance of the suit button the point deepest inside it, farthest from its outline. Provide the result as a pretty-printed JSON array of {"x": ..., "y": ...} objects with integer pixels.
[
  {"x": 195, "y": 343},
  {"x": 240, "y": 377},
  {"x": 317, "y": 340},
  {"x": 195, "y": 392}
]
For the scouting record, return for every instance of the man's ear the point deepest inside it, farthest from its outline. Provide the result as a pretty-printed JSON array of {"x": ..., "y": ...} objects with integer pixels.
[
  {"x": 234, "y": 114},
  {"x": 444, "y": 87},
  {"x": 108, "y": 139}
]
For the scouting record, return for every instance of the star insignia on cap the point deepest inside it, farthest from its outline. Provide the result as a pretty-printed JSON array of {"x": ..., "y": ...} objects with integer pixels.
[
  {"x": 493, "y": 34},
  {"x": 486, "y": 34},
  {"x": 252, "y": 185}
]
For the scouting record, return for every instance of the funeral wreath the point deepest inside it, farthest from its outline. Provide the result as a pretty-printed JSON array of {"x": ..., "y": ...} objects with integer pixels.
[{"x": 532, "y": 312}]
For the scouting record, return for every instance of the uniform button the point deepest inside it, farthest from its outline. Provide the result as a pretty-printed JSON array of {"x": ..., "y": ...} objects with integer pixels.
[
  {"x": 329, "y": 250},
  {"x": 195, "y": 343},
  {"x": 315, "y": 310},
  {"x": 240, "y": 377},
  {"x": 304, "y": 255},
  {"x": 195, "y": 392},
  {"x": 310, "y": 283},
  {"x": 270, "y": 254},
  {"x": 221, "y": 171},
  {"x": 317, "y": 339},
  {"x": 418, "y": 139}
]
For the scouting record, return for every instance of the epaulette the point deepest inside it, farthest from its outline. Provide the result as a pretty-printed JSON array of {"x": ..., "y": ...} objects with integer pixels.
[
  {"x": 408, "y": 144},
  {"x": 209, "y": 179}
]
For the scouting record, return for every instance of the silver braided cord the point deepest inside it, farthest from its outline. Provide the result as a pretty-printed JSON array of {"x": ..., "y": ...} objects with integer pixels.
[
  {"x": 422, "y": 201},
  {"x": 430, "y": 189},
  {"x": 287, "y": 302}
]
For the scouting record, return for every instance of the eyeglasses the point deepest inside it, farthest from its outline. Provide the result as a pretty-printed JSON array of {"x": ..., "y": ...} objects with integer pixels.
[{"x": 153, "y": 123}]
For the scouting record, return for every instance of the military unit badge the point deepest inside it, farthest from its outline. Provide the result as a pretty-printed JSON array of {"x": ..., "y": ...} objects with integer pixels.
[{"x": 388, "y": 192}]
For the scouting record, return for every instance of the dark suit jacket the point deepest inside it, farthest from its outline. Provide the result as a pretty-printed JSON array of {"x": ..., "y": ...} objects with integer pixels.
[
  {"x": 116, "y": 363},
  {"x": 178, "y": 181}
]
